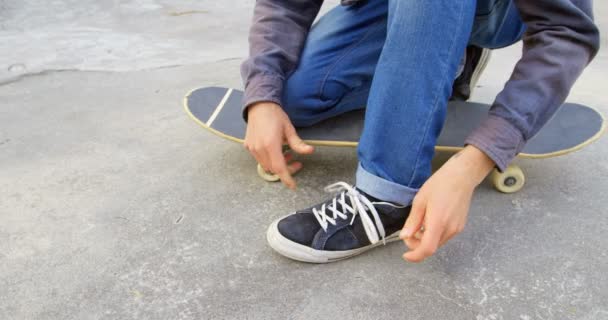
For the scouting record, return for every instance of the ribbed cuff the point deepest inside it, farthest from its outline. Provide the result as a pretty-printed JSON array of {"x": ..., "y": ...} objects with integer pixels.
[
  {"x": 498, "y": 139},
  {"x": 266, "y": 88}
]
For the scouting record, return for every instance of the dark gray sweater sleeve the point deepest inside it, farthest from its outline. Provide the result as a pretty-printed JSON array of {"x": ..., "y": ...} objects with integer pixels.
[
  {"x": 276, "y": 39},
  {"x": 561, "y": 39}
]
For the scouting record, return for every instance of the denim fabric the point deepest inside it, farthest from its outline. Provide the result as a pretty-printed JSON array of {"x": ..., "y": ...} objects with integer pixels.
[
  {"x": 398, "y": 58},
  {"x": 497, "y": 24}
]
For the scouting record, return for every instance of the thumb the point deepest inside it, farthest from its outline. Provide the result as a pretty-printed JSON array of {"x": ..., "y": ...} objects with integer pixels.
[
  {"x": 295, "y": 143},
  {"x": 415, "y": 219}
]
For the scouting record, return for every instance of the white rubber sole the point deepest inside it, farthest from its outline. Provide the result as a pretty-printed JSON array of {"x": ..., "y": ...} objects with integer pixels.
[
  {"x": 483, "y": 63},
  {"x": 296, "y": 251}
]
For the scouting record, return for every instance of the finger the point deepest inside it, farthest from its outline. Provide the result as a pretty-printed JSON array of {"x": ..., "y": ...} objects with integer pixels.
[
  {"x": 412, "y": 243},
  {"x": 279, "y": 167},
  {"x": 428, "y": 244},
  {"x": 448, "y": 235},
  {"x": 444, "y": 240},
  {"x": 257, "y": 156},
  {"x": 415, "y": 219},
  {"x": 295, "y": 143},
  {"x": 262, "y": 159},
  {"x": 294, "y": 167},
  {"x": 288, "y": 157}
]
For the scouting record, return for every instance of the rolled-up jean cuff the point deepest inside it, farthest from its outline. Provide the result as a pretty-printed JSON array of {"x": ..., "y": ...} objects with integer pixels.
[{"x": 383, "y": 189}]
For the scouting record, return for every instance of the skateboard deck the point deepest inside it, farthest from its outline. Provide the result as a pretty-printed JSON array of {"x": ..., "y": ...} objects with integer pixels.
[{"x": 571, "y": 128}]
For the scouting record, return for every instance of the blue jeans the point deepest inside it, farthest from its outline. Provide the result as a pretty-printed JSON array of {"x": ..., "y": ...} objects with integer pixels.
[{"x": 398, "y": 58}]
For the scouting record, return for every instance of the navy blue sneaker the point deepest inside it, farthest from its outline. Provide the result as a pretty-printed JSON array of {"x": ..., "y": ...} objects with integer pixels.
[
  {"x": 475, "y": 61},
  {"x": 346, "y": 225}
]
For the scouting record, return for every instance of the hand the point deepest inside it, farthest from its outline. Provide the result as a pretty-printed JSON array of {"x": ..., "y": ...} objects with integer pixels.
[
  {"x": 440, "y": 209},
  {"x": 268, "y": 128}
]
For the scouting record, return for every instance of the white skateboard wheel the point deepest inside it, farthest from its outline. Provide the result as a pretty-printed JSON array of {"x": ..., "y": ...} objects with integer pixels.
[
  {"x": 268, "y": 176},
  {"x": 509, "y": 181}
]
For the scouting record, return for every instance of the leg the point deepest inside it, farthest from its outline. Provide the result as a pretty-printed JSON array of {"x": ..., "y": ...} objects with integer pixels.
[
  {"x": 337, "y": 63},
  {"x": 405, "y": 117},
  {"x": 422, "y": 47},
  {"x": 497, "y": 24},
  {"x": 409, "y": 93}
]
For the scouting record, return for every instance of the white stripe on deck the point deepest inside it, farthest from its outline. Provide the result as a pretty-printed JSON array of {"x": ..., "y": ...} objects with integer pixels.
[{"x": 219, "y": 108}]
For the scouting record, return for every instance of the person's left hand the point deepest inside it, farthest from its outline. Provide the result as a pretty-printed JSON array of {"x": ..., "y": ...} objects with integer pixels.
[{"x": 440, "y": 209}]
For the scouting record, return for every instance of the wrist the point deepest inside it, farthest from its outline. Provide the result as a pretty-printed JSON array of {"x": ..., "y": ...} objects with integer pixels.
[
  {"x": 475, "y": 163},
  {"x": 255, "y": 107}
]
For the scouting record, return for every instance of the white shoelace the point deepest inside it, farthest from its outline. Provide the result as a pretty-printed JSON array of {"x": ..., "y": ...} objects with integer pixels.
[{"x": 361, "y": 206}]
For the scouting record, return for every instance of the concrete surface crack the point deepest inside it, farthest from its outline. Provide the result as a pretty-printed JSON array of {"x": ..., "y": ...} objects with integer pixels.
[
  {"x": 33, "y": 74},
  {"x": 230, "y": 59},
  {"x": 51, "y": 71}
]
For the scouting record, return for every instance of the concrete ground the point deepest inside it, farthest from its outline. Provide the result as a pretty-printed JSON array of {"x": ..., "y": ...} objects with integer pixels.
[{"x": 115, "y": 205}]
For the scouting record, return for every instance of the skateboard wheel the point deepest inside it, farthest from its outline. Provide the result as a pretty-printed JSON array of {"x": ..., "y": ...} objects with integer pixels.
[
  {"x": 270, "y": 177},
  {"x": 509, "y": 181}
]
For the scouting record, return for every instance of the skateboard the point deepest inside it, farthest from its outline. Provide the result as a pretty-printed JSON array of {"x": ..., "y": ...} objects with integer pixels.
[{"x": 574, "y": 126}]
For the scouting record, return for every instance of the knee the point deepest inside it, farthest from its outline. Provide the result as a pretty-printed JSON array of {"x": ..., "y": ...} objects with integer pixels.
[
  {"x": 304, "y": 99},
  {"x": 302, "y": 91},
  {"x": 298, "y": 99},
  {"x": 500, "y": 27}
]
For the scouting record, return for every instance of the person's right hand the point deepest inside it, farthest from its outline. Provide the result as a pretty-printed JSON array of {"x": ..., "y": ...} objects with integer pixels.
[{"x": 268, "y": 128}]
